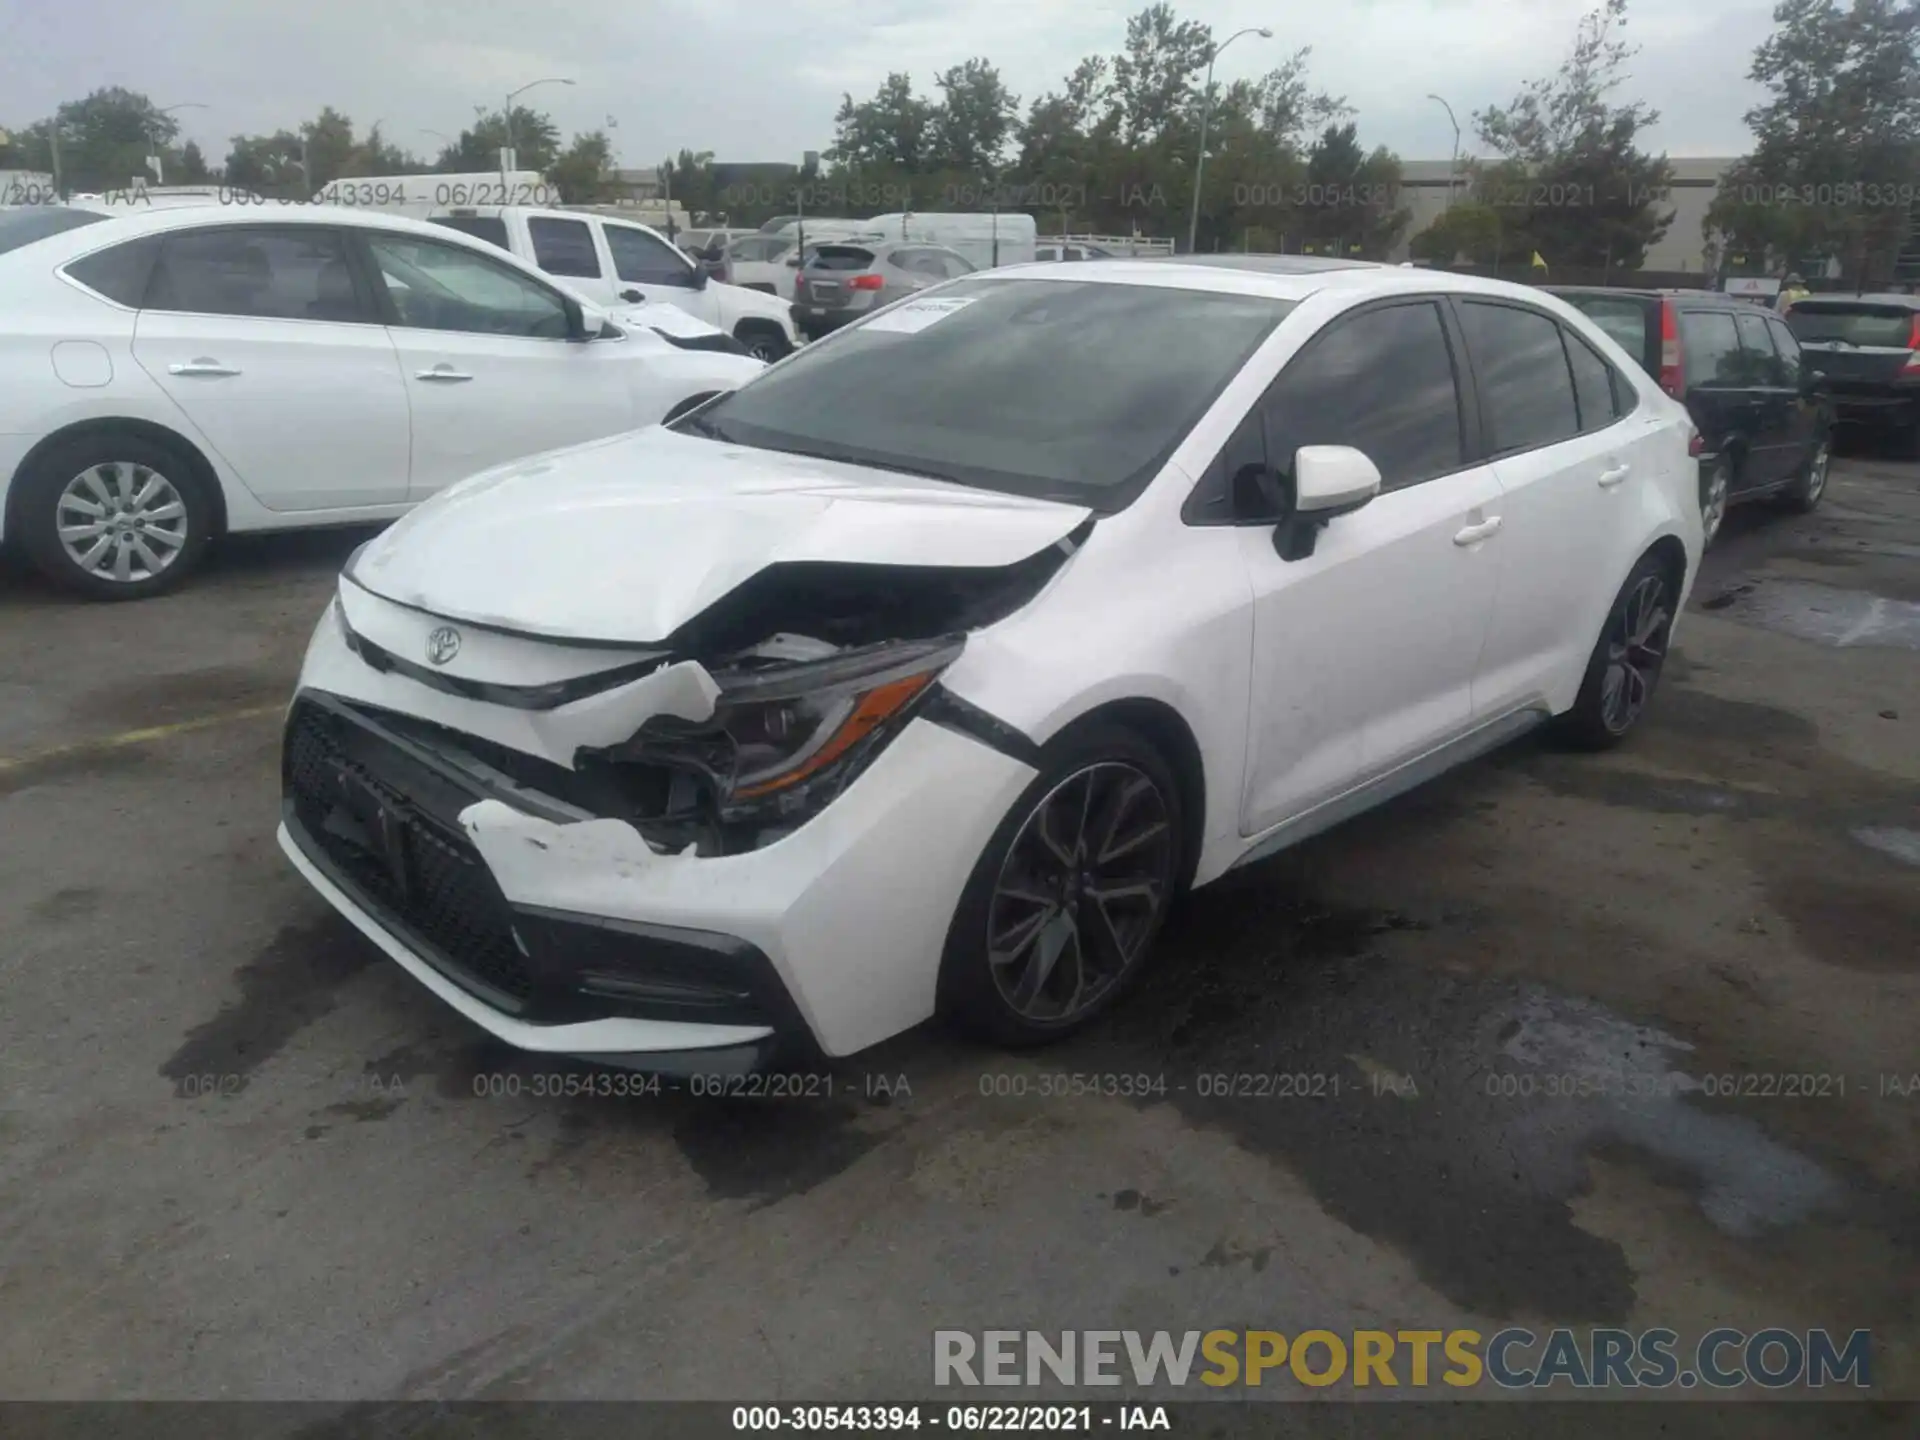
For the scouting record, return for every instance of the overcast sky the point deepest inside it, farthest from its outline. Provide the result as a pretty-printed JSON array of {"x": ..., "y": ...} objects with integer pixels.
[{"x": 760, "y": 79}]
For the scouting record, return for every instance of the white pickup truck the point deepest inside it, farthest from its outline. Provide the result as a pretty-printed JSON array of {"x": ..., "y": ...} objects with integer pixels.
[{"x": 618, "y": 263}]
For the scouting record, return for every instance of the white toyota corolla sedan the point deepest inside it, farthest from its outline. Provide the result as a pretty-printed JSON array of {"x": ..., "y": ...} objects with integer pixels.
[
  {"x": 919, "y": 674},
  {"x": 172, "y": 374}
]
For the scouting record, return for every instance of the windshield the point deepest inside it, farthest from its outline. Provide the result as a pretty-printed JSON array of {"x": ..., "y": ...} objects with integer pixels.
[
  {"x": 24, "y": 224},
  {"x": 1060, "y": 389},
  {"x": 1826, "y": 322}
]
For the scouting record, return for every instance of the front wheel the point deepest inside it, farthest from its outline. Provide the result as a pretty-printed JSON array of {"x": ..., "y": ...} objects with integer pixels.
[
  {"x": 1065, "y": 902},
  {"x": 114, "y": 517},
  {"x": 764, "y": 342},
  {"x": 1626, "y": 661}
]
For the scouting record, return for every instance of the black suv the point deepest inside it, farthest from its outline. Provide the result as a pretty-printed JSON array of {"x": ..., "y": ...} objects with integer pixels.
[
  {"x": 1762, "y": 412},
  {"x": 1868, "y": 349}
]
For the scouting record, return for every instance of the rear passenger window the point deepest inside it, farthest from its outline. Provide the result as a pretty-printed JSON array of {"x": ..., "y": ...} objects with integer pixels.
[
  {"x": 1523, "y": 374},
  {"x": 1759, "y": 364},
  {"x": 564, "y": 247},
  {"x": 1381, "y": 382},
  {"x": 120, "y": 273},
  {"x": 1711, "y": 348},
  {"x": 296, "y": 273},
  {"x": 1592, "y": 384}
]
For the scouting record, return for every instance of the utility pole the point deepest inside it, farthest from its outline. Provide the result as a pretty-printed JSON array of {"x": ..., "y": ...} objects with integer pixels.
[
  {"x": 1206, "y": 111},
  {"x": 53, "y": 144},
  {"x": 1453, "y": 164}
]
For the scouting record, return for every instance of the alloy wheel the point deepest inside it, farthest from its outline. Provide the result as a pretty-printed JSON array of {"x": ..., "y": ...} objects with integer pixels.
[
  {"x": 1713, "y": 503},
  {"x": 1636, "y": 648},
  {"x": 121, "y": 521},
  {"x": 1817, "y": 472},
  {"x": 1080, "y": 892}
]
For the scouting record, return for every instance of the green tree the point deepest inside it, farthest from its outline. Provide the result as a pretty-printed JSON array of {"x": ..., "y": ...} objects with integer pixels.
[
  {"x": 893, "y": 129},
  {"x": 380, "y": 156},
  {"x": 1576, "y": 186},
  {"x": 1156, "y": 78},
  {"x": 104, "y": 139},
  {"x": 580, "y": 172},
  {"x": 536, "y": 139},
  {"x": 1350, "y": 198},
  {"x": 1465, "y": 229},
  {"x": 1835, "y": 142},
  {"x": 969, "y": 129},
  {"x": 268, "y": 164},
  {"x": 193, "y": 168}
]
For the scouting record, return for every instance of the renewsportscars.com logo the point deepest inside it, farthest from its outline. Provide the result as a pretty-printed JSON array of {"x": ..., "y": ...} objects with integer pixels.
[{"x": 1513, "y": 1359}]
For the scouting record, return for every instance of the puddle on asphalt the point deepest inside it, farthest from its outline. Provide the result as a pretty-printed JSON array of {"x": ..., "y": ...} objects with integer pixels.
[
  {"x": 1497, "y": 1092},
  {"x": 1821, "y": 613},
  {"x": 1891, "y": 840}
]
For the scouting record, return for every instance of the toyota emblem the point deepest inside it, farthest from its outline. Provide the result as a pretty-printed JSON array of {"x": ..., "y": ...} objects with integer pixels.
[{"x": 443, "y": 644}]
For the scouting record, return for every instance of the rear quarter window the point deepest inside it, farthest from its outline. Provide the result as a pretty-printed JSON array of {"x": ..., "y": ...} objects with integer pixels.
[{"x": 120, "y": 272}]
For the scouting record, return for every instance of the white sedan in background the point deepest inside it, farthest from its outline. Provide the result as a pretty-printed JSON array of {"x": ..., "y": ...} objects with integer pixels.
[
  {"x": 171, "y": 375},
  {"x": 920, "y": 674}
]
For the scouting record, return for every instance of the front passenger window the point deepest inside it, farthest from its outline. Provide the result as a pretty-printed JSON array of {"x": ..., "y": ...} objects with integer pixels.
[
  {"x": 447, "y": 287},
  {"x": 1382, "y": 382},
  {"x": 640, "y": 259}
]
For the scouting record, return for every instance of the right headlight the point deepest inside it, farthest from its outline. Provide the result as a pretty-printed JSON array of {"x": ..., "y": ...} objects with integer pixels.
[{"x": 785, "y": 738}]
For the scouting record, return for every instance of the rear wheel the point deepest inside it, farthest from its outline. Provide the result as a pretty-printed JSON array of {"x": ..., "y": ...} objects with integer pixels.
[
  {"x": 1811, "y": 483},
  {"x": 114, "y": 517},
  {"x": 1626, "y": 661},
  {"x": 1716, "y": 482},
  {"x": 1066, "y": 900}
]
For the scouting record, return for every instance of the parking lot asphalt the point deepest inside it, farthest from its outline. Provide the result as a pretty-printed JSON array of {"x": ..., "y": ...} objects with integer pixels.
[{"x": 244, "y": 1156}]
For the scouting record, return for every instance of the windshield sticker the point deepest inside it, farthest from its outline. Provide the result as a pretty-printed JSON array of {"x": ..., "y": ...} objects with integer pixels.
[{"x": 910, "y": 316}]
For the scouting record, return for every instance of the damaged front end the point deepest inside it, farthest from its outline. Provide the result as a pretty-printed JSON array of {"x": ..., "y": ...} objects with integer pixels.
[{"x": 782, "y": 694}]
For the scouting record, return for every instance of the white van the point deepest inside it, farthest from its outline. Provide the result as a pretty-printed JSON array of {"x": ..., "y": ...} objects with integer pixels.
[
  {"x": 616, "y": 262},
  {"x": 987, "y": 240}
]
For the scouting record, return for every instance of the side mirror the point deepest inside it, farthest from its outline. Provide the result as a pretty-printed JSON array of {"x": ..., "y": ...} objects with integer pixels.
[
  {"x": 697, "y": 279},
  {"x": 578, "y": 327},
  {"x": 1328, "y": 480}
]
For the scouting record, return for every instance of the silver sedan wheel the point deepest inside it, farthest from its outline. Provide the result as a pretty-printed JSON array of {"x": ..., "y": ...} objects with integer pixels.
[
  {"x": 122, "y": 521},
  {"x": 1080, "y": 892}
]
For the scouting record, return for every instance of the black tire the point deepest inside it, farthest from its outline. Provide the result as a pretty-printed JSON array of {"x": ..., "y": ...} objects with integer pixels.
[
  {"x": 692, "y": 402},
  {"x": 1713, "y": 510},
  {"x": 763, "y": 340},
  {"x": 139, "y": 460},
  {"x": 1110, "y": 761},
  {"x": 1811, "y": 483},
  {"x": 1602, "y": 716}
]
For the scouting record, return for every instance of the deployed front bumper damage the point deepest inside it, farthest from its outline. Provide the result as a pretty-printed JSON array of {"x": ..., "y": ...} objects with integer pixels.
[{"x": 563, "y": 931}]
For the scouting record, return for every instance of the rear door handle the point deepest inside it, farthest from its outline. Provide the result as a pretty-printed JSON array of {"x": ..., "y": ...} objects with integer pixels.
[
  {"x": 443, "y": 373},
  {"x": 1611, "y": 478},
  {"x": 1474, "y": 534},
  {"x": 202, "y": 365}
]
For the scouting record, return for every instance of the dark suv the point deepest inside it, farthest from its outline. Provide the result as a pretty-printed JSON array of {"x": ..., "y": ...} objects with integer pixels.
[
  {"x": 1762, "y": 412},
  {"x": 1867, "y": 347}
]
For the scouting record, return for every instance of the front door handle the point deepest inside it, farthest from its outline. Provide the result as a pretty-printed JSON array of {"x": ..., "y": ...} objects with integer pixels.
[
  {"x": 1474, "y": 534},
  {"x": 202, "y": 365},
  {"x": 445, "y": 373},
  {"x": 1611, "y": 478}
]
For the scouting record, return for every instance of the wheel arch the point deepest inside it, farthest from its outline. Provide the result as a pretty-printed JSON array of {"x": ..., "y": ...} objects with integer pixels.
[
  {"x": 147, "y": 430},
  {"x": 1167, "y": 730}
]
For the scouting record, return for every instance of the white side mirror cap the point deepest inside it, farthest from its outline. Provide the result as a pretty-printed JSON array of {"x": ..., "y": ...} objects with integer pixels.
[{"x": 1332, "y": 477}]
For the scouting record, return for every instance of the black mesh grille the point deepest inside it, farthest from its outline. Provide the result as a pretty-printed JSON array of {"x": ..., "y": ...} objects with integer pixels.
[{"x": 447, "y": 897}]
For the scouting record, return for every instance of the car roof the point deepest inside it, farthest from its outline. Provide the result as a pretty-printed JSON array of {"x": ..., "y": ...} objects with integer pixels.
[
  {"x": 1285, "y": 277},
  {"x": 1647, "y": 292},
  {"x": 1870, "y": 297}
]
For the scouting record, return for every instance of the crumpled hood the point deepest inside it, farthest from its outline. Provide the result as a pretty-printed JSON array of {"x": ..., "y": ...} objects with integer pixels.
[
  {"x": 627, "y": 539},
  {"x": 668, "y": 319}
]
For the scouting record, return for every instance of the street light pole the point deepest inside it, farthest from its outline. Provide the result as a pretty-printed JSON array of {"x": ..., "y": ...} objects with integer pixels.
[
  {"x": 1453, "y": 164},
  {"x": 153, "y": 154},
  {"x": 1206, "y": 112},
  {"x": 508, "y": 112}
]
